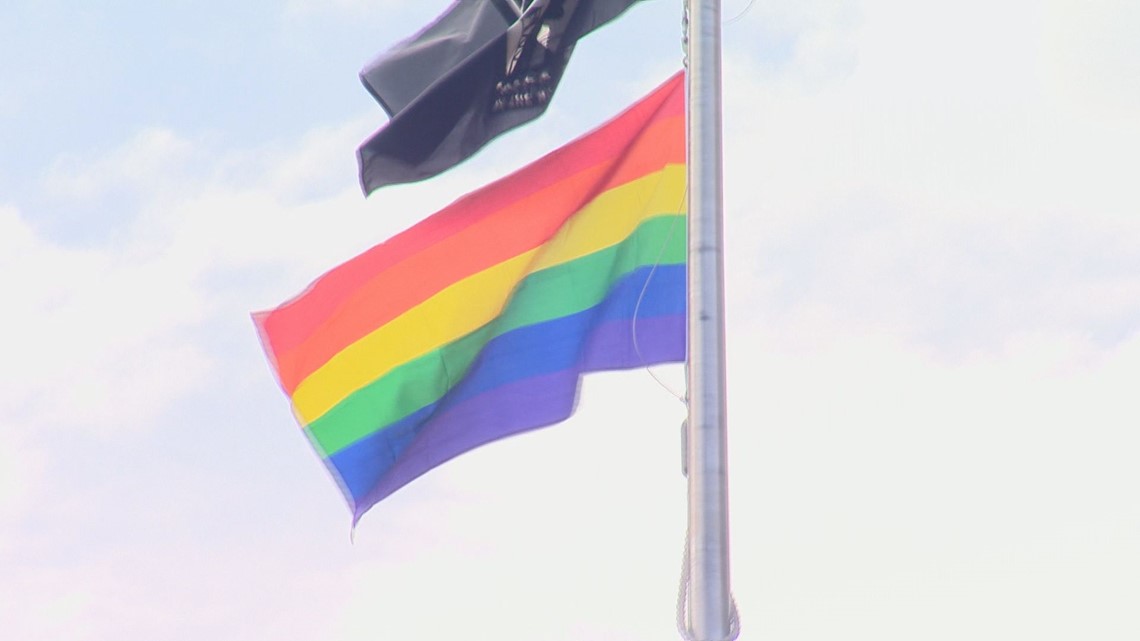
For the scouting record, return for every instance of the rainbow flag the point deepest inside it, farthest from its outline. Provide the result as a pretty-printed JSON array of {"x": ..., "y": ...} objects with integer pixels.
[{"x": 478, "y": 322}]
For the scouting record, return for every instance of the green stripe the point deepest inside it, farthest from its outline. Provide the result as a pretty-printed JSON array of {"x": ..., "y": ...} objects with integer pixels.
[{"x": 551, "y": 293}]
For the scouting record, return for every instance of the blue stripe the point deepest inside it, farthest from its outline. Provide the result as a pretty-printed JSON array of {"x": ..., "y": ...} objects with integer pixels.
[{"x": 526, "y": 352}]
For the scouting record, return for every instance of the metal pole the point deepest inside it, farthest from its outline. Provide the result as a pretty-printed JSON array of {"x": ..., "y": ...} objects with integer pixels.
[{"x": 710, "y": 606}]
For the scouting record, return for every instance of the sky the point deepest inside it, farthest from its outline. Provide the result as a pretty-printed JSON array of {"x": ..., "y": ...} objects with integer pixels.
[{"x": 933, "y": 299}]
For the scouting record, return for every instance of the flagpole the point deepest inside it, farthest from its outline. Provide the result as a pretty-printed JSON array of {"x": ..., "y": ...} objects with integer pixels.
[{"x": 711, "y": 616}]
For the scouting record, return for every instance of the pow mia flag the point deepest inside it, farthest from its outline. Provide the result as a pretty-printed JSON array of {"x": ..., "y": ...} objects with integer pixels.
[{"x": 482, "y": 68}]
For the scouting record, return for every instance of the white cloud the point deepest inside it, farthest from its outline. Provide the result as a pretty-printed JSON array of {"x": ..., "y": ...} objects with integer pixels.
[
  {"x": 942, "y": 194},
  {"x": 892, "y": 489},
  {"x": 949, "y": 104},
  {"x": 89, "y": 335},
  {"x": 155, "y": 160},
  {"x": 933, "y": 316},
  {"x": 1093, "y": 66},
  {"x": 807, "y": 44},
  {"x": 21, "y": 478}
]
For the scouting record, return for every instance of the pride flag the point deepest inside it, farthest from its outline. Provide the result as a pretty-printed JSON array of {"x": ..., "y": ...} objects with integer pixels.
[{"x": 478, "y": 322}]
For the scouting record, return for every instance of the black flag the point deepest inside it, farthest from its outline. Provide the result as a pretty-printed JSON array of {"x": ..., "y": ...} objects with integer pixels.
[{"x": 482, "y": 68}]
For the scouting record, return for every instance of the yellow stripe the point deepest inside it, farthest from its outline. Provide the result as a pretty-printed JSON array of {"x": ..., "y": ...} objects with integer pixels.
[{"x": 470, "y": 303}]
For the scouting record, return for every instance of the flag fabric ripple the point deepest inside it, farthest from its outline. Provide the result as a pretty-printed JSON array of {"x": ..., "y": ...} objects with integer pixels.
[
  {"x": 478, "y": 322},
  {"x": 482, "y": 68}
]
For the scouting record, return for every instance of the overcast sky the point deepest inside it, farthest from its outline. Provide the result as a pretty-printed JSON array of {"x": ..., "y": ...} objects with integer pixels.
[{"x": 933, "y": 216}]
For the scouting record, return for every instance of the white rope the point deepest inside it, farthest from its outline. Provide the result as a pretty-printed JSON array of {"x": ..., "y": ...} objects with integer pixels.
[
  {"x": 741, "y": 14},
  {"x": 637, "y": 307},
  {"x": 684, "y": 626},
  {"x": 685, "y": 34}
]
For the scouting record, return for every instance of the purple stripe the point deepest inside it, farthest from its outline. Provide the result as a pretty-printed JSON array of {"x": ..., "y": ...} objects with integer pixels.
[{"x": 529, "y": 403}]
